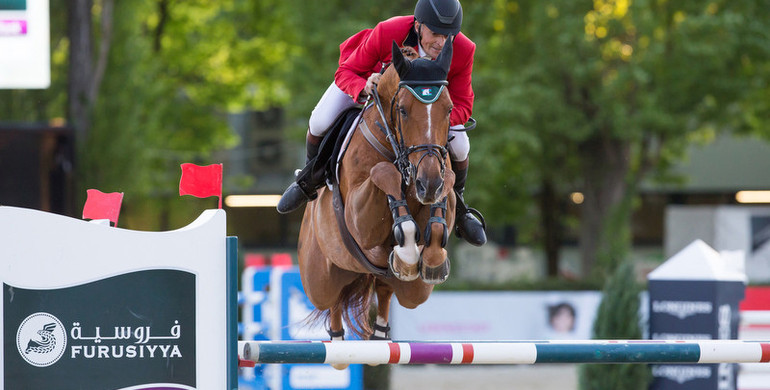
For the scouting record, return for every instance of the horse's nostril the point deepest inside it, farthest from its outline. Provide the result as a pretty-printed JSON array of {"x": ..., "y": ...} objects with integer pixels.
[{"x": 420, "y": 187}]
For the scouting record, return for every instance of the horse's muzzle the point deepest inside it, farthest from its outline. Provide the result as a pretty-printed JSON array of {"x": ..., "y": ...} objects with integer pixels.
[{"x": 429, "y": 190}]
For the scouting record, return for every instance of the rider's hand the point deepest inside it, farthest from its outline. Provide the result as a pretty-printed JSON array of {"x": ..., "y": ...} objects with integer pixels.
[{"x": 373, "y": 80}]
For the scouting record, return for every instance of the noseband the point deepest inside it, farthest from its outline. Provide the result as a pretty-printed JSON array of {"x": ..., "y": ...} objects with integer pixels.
[{"x": 400, "y": 149}]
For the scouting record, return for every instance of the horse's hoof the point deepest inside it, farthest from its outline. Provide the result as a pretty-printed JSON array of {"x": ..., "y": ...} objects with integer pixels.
[
  {"x": 401, "y": 271},
  {"x": 435, "y": 275},
  {"x": 340, "y": 366}
]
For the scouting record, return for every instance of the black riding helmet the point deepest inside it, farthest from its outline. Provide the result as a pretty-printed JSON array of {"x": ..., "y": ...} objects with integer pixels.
[{"x": 440, "y": 16}]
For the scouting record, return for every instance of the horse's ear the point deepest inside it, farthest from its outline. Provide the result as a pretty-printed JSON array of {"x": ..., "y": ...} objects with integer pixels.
[
  {"x": 399, "y": 62},
  {"x": 444, "y": 58}
]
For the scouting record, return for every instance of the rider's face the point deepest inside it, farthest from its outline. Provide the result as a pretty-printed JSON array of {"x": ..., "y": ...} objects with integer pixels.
[{"x": 431, "y": 42}]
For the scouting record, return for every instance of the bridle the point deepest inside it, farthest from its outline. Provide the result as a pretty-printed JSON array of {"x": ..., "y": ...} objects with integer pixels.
[
  {"x": 400, "y": 158},
  {"x": 397, "y": 143}
]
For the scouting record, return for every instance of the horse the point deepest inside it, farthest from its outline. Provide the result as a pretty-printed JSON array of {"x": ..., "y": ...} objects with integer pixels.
[{"x": 395, "y": 204}]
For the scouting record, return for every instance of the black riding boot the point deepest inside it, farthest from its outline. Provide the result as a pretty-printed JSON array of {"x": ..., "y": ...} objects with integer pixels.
[
  {"x": 469, "y": 223},
  {"x": 304, "y": 188}
]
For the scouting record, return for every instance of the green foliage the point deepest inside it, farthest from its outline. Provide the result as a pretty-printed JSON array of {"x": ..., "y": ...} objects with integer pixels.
[
  {"x": 173, "y": 74},
  {"x": 152, "y": 113},
  {"x": 554, "y": 81},
  {"x": 567, "y": 91},
  {"x": 317, "y": 29},
  {"x": 617, "y": 319}
]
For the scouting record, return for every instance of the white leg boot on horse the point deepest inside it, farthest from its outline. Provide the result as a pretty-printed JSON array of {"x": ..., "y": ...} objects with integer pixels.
[
  {"x": 469, "y": 223},
  {"x": 405, "y": 257},
  {"x": 434, "y": 264},
  {"x": 303, "y": 189}
]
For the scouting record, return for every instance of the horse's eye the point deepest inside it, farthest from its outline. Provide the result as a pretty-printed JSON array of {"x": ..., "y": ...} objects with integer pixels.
[
  {"x": 402, "y": 111},
  {"x": 449, "y": 112}
]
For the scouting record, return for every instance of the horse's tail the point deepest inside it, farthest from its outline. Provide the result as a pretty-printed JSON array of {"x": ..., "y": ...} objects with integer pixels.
[{"x": 354, "y": 302}]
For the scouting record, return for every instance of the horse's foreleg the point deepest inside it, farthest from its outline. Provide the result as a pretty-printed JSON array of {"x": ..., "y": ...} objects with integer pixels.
[
  {"x": 405, "y": 257},
  {"x": 434, "y": 268},
  {"x": 384, "y": 293}
]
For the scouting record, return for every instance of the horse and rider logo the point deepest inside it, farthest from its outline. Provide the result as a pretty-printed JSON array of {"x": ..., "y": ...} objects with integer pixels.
[
  {"x": 41, "y": 339},
  {"x": 426, "y": 93}
]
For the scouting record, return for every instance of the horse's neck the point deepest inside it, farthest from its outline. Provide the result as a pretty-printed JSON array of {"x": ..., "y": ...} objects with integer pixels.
[{"x": 378, "y": 125}]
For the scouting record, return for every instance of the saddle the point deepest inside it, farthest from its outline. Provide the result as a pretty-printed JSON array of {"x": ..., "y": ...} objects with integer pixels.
[{"x": 324, "y": 165}]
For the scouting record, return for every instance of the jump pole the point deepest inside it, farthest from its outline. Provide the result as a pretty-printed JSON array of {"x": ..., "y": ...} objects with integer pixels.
[{"x": 506, "y": 352}]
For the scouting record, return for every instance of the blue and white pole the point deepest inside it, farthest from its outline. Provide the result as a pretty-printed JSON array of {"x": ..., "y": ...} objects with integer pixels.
[{"x": 507, "y": 352}]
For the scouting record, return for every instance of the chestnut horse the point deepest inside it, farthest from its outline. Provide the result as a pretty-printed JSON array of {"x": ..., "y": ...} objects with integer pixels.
[{"x": 396, "y": 195}]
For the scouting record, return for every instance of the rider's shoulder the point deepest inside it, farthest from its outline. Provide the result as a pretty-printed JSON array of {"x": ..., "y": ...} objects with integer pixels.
[
  {"x": 397, "y": 22},
  {"x": 462, "y": 41}
]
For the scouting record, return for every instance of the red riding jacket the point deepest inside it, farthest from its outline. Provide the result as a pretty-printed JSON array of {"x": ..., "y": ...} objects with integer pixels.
[{"x": 365, "y": 52}]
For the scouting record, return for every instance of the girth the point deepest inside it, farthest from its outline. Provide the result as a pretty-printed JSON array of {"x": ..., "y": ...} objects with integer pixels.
[
  {"x": 339, "y": 208},
  {"x": 347, "y": 238}
]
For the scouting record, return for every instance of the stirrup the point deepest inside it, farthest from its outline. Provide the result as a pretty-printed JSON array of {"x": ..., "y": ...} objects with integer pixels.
[
  {"x": 477, "y": 214},
  {"x": 467, "y": 214}
]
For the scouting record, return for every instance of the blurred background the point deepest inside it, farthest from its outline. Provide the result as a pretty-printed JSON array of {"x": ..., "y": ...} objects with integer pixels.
[
  {"x": 595, "y": 117},
  {"x": 609, "y": 131}
]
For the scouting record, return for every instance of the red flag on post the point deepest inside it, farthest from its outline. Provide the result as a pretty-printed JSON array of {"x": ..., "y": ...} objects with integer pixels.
[
  {"x": 201, "y": 181},
  {"x": 100, "y": 205}
]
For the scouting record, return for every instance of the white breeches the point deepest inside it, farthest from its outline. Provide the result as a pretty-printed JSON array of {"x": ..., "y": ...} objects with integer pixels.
[{"x": 334, "y": 102}]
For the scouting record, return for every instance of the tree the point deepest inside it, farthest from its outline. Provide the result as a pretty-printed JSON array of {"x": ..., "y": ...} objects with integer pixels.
[
  {"x": 606, "y": 94},
  {"x": 617, "y": 319},
  {"x": 176, "y": 69},
  {"x": 85, "y": 71},
  {"x": 592, "y": 96}
]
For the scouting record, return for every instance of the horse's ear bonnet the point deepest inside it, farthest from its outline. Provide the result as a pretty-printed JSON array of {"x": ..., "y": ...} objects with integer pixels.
[{"x": 423, "y": 69}]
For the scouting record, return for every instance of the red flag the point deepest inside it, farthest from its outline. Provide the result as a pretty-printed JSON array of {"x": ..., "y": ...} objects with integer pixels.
[
  {"x": 102, "y": 206},
  {"x": 201, "y": 182}
]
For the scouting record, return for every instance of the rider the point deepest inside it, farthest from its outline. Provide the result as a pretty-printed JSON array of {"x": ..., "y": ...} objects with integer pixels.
[{"x": 361, "y": 59}]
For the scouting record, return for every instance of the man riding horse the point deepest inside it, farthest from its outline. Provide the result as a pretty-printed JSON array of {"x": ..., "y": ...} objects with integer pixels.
[{"x": 362, "y": 57}]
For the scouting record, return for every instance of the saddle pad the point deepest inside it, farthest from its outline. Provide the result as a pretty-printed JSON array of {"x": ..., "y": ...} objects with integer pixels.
[
  {"x": 323, "y": 164},
  {"x": 342, "y": 144}
]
